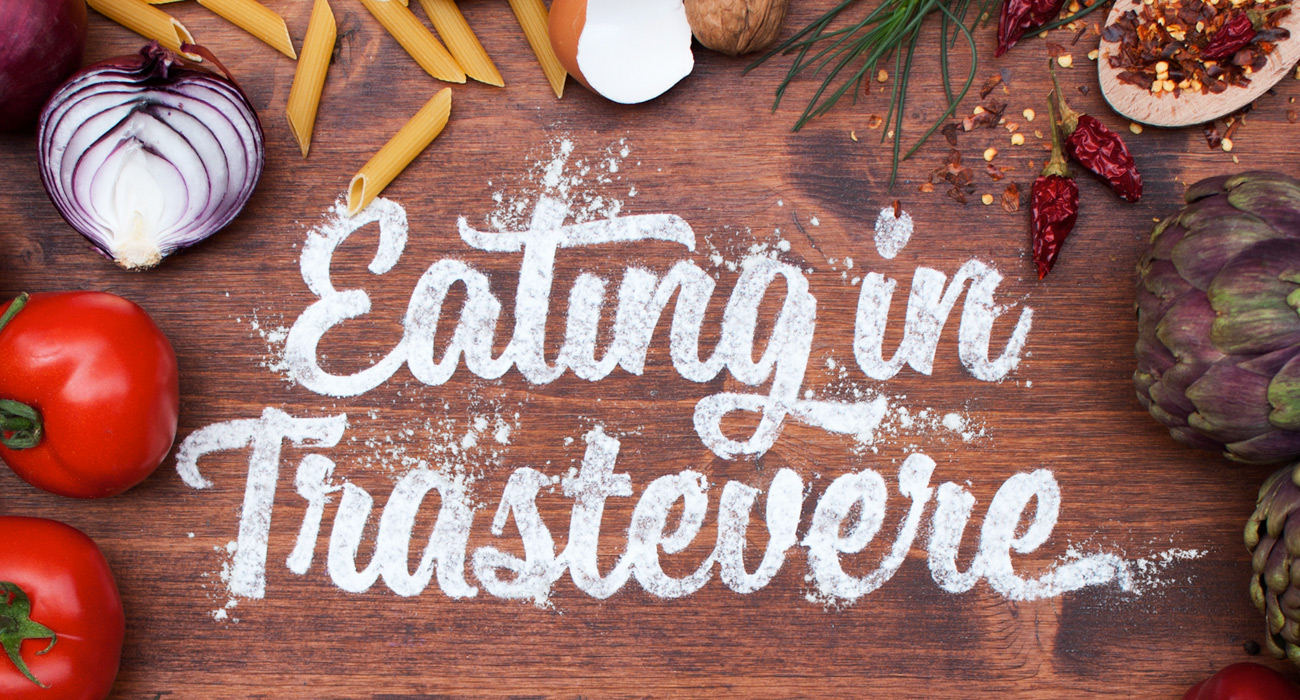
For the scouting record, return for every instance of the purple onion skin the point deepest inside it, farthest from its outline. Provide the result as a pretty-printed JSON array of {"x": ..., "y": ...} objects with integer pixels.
[{"x": 41, "y": 44}]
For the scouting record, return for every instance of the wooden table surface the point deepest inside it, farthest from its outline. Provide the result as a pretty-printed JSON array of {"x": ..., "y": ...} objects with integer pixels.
[{"x": 712, "y": 152}]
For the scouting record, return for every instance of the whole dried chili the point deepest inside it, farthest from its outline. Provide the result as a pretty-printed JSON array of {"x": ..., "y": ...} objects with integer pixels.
[
  {"x": 1236, "y": 33},
  {"x": 1094, "y": 146},
  {"x": 1020, "y": 16},
  {"x": 1053, "y": 204},
  {"x": 1233, "y": 36}
]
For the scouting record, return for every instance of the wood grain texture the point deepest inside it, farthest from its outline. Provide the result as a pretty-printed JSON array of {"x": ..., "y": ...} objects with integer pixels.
[{"x": 711, "y": 151}]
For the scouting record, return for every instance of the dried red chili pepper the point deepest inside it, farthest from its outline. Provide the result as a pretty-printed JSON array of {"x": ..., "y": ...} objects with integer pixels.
[
  {"x": 1237, "y": 33},
  {"x": 1020, "y": 16},
  {"x": 1053, "y": 204},
  {"x": 1094, "y": 146},
  {"x": 1234, "y": 35}
]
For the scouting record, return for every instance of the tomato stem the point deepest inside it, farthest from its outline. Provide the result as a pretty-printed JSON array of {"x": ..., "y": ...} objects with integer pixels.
[
  {"x": 17, "y": 626},
  {"x": 14, "y": 307},
  {"x": 20, "y": 425}
]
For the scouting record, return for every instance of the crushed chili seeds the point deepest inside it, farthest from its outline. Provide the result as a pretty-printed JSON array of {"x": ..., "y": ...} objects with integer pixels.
[
  {"x": 986, "y": 198},
  {"x": 1291, "y": 116},
  {"x": 1170, "y": 46}
]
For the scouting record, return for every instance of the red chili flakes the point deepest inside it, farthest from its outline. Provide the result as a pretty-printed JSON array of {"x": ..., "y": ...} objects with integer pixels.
[
  {"x": 958, "y": 176},
  {"x": 1168, "y": 46},
  {"x": 989, "y": 85},
  {"x": 1011, "y": 199}
]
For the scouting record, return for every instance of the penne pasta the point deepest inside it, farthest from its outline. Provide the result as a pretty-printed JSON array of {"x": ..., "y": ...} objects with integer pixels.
[
  {"x": 147, "y": 21},
  {"x": 160, "y": 2},
  {"x": 416, "y": 39},
  {"x": 256, "y": 19},
  {"x": 461, "y": 42},
  {"x": 309, "y": 77},
  {"x": 533, "y": 18},
  {"x": 406, "y": 144}
]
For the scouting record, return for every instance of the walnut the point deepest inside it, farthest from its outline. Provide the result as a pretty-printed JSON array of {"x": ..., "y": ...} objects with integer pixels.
[{"x": 736, "y": 26}]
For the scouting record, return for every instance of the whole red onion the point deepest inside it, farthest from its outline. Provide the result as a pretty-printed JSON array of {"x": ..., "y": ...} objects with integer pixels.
[{"x": 41, "y": 44}]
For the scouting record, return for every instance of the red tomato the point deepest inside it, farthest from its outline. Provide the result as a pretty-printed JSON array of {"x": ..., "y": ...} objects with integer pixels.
[
  {"x": 71, "y": 591},
  {"x": 1244, "y": 681},
  {"x": 103, "y": 379}
]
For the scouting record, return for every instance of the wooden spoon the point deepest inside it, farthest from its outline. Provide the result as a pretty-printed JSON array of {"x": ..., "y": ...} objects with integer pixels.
[{"x": 1141, "y": 105}]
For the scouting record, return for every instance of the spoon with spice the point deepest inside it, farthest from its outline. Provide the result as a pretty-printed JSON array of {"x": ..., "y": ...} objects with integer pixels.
[{"x": 1181, "y": 62}]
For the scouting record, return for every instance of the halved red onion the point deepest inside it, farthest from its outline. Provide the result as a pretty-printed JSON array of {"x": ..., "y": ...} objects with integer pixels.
[{"x": 148, "y": 154}]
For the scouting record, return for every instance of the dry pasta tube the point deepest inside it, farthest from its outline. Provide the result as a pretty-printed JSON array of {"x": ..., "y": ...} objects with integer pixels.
[
  {"x": 406, "y": 144},
  {"x": 416, "y": 39},
  {"x": 147, "y": 21},
  {"x": 461, "y": 42},
  {"x": 256, "y": 19},
  {"x": 533, "y": 18},
  {"x": 309, "y": 77}
]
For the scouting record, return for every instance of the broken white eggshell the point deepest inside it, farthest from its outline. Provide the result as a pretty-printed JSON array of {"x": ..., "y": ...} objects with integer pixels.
[{"x": 628, "y": 51}]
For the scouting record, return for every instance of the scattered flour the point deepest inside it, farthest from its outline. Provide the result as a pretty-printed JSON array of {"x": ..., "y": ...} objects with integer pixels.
[
  {"x": 450, "y": 452},
  {"x": 892, "y": 233}
]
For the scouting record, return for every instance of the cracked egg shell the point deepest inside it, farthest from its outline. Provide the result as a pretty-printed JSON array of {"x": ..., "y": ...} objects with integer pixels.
[{"x": 627, "y": 52}]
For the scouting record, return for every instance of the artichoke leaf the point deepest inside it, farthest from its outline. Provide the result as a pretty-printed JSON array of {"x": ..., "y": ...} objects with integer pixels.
[
  {"x": 1275, "y": 199},
  {"x": 1284, "y": 397},
  {"x": 1231, "y": 403},
  {"x": 1161, "y": 280},
  {"x": 1161, "y": 226},
  {"x": 1201, "y": 254},
  {"x": 1257, "y": 593},
  {"x": 1277, "y": 573},
  {"x": 1273, "y": 617},
  {"x": 1250, "y": 297},
  {"x": 1208, "y": 213},
  {"x": 1187, "y": 436},
  {"x": 1208, "y": 187},
  {"x": 1271, "y": 447},
  {"x": 1185, "y": 330}
]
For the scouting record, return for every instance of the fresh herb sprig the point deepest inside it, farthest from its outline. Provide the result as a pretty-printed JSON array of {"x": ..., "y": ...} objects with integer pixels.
[{"x": 847, "y": 56}]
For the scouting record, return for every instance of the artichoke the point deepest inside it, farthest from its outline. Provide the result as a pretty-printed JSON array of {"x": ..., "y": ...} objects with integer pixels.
[
  {"x": 1273, "y": 537},
  {"x": 1218, "y": 328}
]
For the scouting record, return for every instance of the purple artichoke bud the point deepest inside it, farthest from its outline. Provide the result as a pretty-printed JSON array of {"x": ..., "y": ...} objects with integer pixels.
[
  {"x": 1218, "y": 310},
  {"x": 1273, "y": 538}
]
